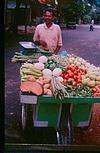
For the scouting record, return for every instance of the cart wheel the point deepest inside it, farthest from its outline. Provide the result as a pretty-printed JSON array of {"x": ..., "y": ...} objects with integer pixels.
[
  {"x": 69, "y": 137},
  {"x": 24, "y": 115},
  {"x": 66, "y": 125},
  {"x": 59, "y": 137},
  {"x": 66, "y": 137}
]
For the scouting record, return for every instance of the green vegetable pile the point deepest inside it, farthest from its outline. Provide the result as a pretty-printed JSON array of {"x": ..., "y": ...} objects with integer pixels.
[
  {"x": 79, "y": 90},
  {"x": 51, "y": 64},
  {"x": 19, "y": 57}
]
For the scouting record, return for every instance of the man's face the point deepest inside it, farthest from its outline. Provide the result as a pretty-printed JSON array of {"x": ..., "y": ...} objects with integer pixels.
[{"x": 48, "y": 17}]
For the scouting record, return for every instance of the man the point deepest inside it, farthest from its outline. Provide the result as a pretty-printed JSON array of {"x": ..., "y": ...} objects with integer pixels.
[
  {"x": 48, "y": 34},
  {"x": 91, "y": 25}
]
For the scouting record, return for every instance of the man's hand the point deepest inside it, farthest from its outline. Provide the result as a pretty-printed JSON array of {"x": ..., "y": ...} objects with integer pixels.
[
  {"x": 43, "y": 43},
  {"x": 57, "y": 50}
]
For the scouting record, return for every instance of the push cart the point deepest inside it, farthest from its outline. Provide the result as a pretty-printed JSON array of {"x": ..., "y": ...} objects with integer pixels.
[
  {"x": 63, "y": 115},
  {"x": 46, "y": 111}
]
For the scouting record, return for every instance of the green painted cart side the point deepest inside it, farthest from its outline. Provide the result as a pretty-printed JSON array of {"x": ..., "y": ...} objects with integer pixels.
[
  {"x": 49, "y": 113},
  {"x": 49, "y": 109},
  {"x": 81, "y": 114},
  {"x": 62, "y": 115},
  {"x": 72, "y": 100}
]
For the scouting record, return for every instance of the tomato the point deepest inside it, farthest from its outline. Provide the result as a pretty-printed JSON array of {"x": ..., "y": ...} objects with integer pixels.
[
  {"x": 83, "y": 71},
  {"x": 76, "y": 67},
  {"x": 63, "y": 75},
  {"x": 66, "y": 76},
  {"x": 64, "y": 81},
  {"x": 75, "y": 72},
  {"x": 97, "y": 94},
  {"x": 78, "y": 71},
  {"x": 74, "y": 83},
  {"x": 73, "y": 69},
  {"x": 71, "y": 75},
  {"x": 80, "y": 78},
  {"x": 79, "y": 81},
  {"x": 67, "y": 68},
  {"x": 75, "y": 78},
  {"x": 97, "y": 87},
  {"x": 69, "y": 71},
  {"x": 94, "y": 89}
]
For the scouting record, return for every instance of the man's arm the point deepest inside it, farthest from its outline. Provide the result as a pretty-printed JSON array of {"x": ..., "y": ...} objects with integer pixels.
[
  {"x": 36, "y": 39},
  {"x": 57, "y": 50},
  {"x": 36, "y": 35},
  {"x": 59, "y": 41}
]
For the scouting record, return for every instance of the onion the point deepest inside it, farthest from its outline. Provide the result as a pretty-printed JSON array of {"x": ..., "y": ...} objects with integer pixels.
[
  {"x": 43, "y": 59},
  {"x": 57, "y": 72},
  {"x": 39, "y": 66},
  {"x": 60, "y": 78},
  {"x": 47, "y": 72}
]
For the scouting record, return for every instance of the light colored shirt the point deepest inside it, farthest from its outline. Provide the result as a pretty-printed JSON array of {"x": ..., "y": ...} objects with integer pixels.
[
  {"x": 92, "y": 22},
  {"x": 52, "y": 36}
]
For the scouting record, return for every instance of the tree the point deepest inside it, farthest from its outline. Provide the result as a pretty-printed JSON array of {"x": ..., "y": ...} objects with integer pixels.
[{"x": 71, "y": 10}]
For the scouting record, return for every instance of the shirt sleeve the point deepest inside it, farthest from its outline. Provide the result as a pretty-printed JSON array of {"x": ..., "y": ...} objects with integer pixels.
[
  {"x": 36, "y": 34},
  {"x": 59, "y": 37}
]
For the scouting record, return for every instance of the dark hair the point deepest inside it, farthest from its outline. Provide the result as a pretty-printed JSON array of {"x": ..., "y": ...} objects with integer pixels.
[{"x": 49, "y": 10}]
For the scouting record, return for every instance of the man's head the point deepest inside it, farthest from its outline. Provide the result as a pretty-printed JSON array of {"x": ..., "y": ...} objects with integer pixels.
[{"x": 48, "y": 16}]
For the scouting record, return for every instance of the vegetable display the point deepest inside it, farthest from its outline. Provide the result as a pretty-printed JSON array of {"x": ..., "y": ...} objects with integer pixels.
[
  {"x": 62, "y": 76},
  {"x": 19, "y": 57},
  {"x": 32, "y": 86},
  {"x": 59, "y": 90}
]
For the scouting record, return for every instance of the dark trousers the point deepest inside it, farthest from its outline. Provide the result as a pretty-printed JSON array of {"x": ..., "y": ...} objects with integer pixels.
[{"x": 91, "y": 27}]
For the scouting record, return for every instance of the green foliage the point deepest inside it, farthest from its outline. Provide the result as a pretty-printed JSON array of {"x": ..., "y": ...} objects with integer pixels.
[
  {"x": 73, "y": 10},
  {"x": 87, "y": 19}
]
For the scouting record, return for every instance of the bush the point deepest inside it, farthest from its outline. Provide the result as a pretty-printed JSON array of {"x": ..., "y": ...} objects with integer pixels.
[{"x": 86, "y": 19}]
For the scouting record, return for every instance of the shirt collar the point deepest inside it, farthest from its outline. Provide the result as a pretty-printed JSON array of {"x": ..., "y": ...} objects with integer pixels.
[{"x": 50, "y": 27}]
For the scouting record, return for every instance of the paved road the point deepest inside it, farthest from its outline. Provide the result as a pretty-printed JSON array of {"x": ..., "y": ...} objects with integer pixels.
[
  {"x": 81, "y": 42},
  {"x": 84, "y": 43}
]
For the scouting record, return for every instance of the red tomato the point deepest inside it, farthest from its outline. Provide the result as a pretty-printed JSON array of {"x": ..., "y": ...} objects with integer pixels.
[
  {"x": 76, "y": 67},
  {"x": 97, "y": 87},
  {"x": 62, "y": 75},
  {"x": 75, "y": 78},
  {"x": 72, "y": 68},
  {"x": 94, "y": 89},
  {"x": 69, "y": 71},
  {"x": 79, "y": 80},
  {"x": 67, "y": 68},
  {"x": 66, "y": 76},
  {"x": 78, "y": 71},
  {"x": 64, "y": 81},
  {"x": 75, "y": 72},
  {"x": 71, "y": 75},
  {"x": 97, "y": 94},
  {"x": 74, "y": 83},
  {"x": 85, "y": 71}
]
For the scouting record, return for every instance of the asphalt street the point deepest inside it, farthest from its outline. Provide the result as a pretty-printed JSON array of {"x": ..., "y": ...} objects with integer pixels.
[{"x": 79, "y": 41}]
